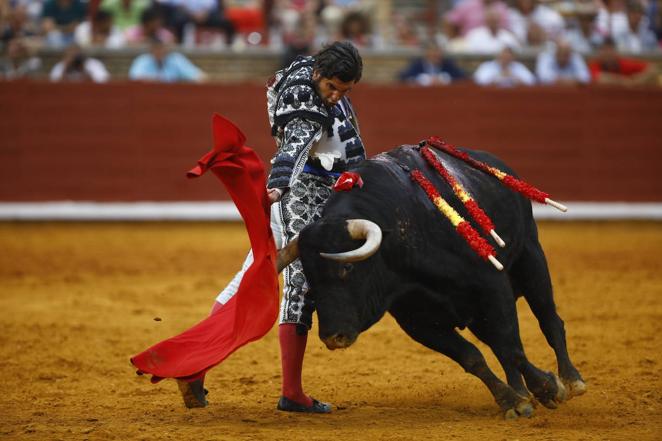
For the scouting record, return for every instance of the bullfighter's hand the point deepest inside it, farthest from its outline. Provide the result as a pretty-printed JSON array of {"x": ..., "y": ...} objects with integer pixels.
[{"x": 274, "y": 194}]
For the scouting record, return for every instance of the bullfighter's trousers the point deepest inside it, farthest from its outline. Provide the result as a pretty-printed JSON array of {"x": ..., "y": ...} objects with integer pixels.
[{"x": 300, "y": 206}]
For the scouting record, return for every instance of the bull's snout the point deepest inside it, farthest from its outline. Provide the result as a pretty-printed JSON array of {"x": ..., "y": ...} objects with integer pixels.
[{"x": 339, "y": 341}]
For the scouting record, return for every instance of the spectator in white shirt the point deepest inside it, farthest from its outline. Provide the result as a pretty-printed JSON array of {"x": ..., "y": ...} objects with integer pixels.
[
  {"x": 504, "y": 71},
  {"x": 492, "y": 37},
  {"x": 637, "y": 37},
  {"x": 76, "y": 66},
  {"x": 611, "y": 19},
  {"x": 582, "y": 32},
  {"x": 562, "y": 66},
  {"x": 99, "y": 32},
  {"x": 531, "y": 12},
  {"x": 467, "y": 15}
]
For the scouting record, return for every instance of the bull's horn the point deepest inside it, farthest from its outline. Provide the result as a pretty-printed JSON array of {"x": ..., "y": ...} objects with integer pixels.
[
  {"x": 288, "y": 254},
  {"x": 359, "y": 229}
]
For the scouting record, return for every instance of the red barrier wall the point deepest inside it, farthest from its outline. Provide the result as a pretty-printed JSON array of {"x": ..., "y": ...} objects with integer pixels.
[{"x": 129, "y": 142}]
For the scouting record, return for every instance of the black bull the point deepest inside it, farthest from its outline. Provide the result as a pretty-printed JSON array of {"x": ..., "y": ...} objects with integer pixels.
[{"x": 432, "y": 282}]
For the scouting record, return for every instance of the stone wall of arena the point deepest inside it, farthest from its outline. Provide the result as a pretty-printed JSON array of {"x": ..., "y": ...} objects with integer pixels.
[{"x": 134, "y": 142}]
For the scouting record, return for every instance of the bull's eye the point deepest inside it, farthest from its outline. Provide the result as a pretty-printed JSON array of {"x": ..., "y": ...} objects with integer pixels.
[{"x": 345, "y": 270}]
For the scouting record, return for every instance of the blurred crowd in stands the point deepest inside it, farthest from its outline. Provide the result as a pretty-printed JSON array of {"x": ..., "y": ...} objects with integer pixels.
[{"x": 574, "y": 42}]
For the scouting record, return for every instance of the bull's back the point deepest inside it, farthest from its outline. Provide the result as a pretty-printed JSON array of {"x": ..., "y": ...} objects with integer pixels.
[
  {"x": 392, "y": 200},
  {"x": 506, "y": 207}
]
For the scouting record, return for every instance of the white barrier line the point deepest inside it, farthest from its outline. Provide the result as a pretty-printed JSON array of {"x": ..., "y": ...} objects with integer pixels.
[
  {"x": 226, "y": 211},
  {"x": 601, "y": 211},
  {"x": 117, "y": 211}
]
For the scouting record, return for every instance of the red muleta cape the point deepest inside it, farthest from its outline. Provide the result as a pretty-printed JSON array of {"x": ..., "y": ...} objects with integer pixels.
[{"x": 253, "y": 310}]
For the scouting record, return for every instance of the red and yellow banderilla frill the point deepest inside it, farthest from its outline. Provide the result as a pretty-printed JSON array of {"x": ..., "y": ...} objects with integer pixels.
[
  {"x": 512, "y": 182},
  {"x": 464, "y": 228},
  {"x": 471, "y": 205}
]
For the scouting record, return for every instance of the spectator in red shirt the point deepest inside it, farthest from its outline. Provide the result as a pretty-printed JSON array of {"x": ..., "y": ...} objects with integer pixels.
[{"x": 610, "y": 68}]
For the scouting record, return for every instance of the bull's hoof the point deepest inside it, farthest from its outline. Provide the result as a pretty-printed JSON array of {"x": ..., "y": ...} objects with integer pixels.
[
  {"x": 562, "y": 392},
  {"x": 513, "y": 404},
  {"x": 553, "y": 393},
  {"x": 523, "y": 409},
  {"x": 193, "y": 393},
  {"x": 575, "y": 388}
]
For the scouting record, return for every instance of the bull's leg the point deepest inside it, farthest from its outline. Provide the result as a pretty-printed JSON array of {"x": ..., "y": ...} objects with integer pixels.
[
  {"x": 497, "y": 325},
  {"x": 453, "y": 345},
  {"x": 530, "y": 276},
  {"x": 513, "y": 374}
]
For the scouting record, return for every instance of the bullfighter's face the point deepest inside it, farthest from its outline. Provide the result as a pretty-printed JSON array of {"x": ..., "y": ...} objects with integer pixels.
[{"x": 331, "y": 90}]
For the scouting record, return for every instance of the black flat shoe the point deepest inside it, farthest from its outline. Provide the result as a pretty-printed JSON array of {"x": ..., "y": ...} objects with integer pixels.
[
  {"x": 193, "y": 393},
  {"x": 287, "y": 405}
]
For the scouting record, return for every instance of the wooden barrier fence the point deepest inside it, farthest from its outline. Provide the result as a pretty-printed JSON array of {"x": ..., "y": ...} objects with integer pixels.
[{"x": 134, "y": 142}]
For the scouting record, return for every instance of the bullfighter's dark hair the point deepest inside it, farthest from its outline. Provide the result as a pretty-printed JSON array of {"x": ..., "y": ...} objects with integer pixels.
[{"x": 339, "y": 59}]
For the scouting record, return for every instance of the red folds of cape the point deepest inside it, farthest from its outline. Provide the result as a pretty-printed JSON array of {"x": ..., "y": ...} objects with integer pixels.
[{"x": 253, "y": 310}]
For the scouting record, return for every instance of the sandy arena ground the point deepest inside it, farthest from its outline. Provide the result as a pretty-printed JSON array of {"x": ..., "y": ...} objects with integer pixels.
[{"x": 79, "y": 299}]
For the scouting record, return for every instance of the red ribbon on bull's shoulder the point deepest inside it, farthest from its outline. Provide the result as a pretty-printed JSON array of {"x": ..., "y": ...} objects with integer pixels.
[{"x": 347, "y": 181}]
